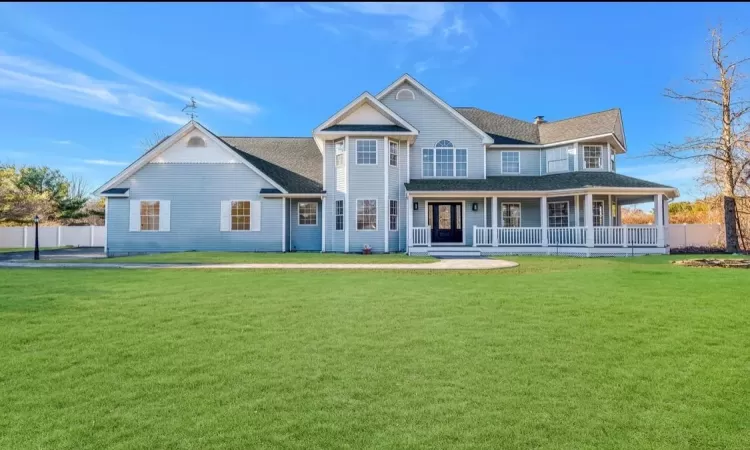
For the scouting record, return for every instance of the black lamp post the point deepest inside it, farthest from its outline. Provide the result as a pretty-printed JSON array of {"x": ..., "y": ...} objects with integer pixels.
[{"x": 36, "y": 239}]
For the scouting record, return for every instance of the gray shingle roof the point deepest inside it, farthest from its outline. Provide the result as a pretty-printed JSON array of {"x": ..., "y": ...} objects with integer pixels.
[
  {"x": 570, "y": 180},
  {"x": 294, "y": 163},
  {"x": 374, "y": 128},
  {"x": 507, "y": 130}
]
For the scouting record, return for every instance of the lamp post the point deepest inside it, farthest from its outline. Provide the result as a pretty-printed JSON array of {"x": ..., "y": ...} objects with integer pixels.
[{"x": 36, "y": 239}]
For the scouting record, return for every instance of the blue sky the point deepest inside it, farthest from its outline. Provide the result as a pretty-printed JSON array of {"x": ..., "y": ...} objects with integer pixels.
[{"x": 82, "y": 84}]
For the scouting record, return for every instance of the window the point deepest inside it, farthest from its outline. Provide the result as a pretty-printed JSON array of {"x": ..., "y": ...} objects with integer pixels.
[
  {"x": 150, "y": 216},
  {"x": 511, "y": 215},
  {"x": 307, "y": 213},
  {"x": 444, "y": 161},
  {"x": 557, "y": 159},
  {"x": 405, "y": 94},
  {"x": 240, "y": 216},
  {"x": 557, "y": 214},
  {"x": 428, "y": 162},
  {"x": 598, "y": 213},
  {"x": 339, "y": 214},
  {"x": 393, "y": 154},
  {"x": 510, "y": 162},
  {"x": 196, "y": 141},
  {"x": 592, "y": 156},
  {"x": 339, "y": 146},
  {"x": 612, "y": 162},
  {"x": 393, "y": 215},
  {"x": 367, "y": 151},
  {"x": 367, "y": 215}
]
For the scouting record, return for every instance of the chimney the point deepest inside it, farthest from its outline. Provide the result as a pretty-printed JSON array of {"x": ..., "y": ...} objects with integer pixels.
[{"x": 538, "y": 120}]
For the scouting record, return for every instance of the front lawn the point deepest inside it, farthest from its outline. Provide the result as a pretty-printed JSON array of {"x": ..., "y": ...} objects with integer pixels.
[
  {"x": 558, "y": 353},
  {"x": 249, "y": 258}
]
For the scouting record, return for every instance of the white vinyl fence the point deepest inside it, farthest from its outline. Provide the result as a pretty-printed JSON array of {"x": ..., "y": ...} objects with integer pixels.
[
  {"x": 694, "y": 235},
  {"x": 23, "y": 237}
]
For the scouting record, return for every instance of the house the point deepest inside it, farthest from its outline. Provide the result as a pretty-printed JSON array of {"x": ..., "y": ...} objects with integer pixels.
[{"x": 400, "y": 171}]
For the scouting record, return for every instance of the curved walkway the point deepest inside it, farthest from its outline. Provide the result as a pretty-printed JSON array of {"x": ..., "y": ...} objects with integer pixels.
[{"x": 443, "y": 264}]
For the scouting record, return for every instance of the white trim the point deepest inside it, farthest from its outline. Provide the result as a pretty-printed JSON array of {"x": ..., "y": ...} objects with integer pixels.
[
  {"x": 555, "y": 144},
  {"x": 346, "y": 194},
  {"x": 167, "y": 143},
  {"x": 323, "y": 226},
  {"x": 140, "y": 216},
  {"x": 356, "y": 157},
  {"x": 124, "y": 195},
  {"x": 609, "y": 157},
  {"x": 337, "y": 134},
  {"x": 283, "y": 225},
  {"x": 356, "y": 213},
  {"x": 609, "y": 210},
  {"x": 386, "y": 165},
  {"x": 567, "y": 207},
  {"x": 485, "y": 161},
  {"x": 544, "y": 220},
  {"x": 366, "y": 96},
  {"x": 589, "y": 219},
  {"x": 413, "y": 95},
  {"x": 316, "y": 215},
  {"x": 106, "y": 234},
  {"x": 601, "y": 156},
  {"x": 408, "y": 162},
  {"x": 502, "y": 152},
  {"x": 230, "y": 230},
  {"x": 486, "y": 139},
  {"x": 321, "y": 195},
  {"x": 520, "y": 212},
  {"x": 398, "y": 147},
  {"x": 463, "y": 220},
  {"x": 577, "y": 206},
  {"x": 577, "y": 155},
  {"x": 551, "y": 193},
  {"x": 389, "y": 215},
  {"x": 434, "y": 162},
  {"x": 484, "y": 218}
]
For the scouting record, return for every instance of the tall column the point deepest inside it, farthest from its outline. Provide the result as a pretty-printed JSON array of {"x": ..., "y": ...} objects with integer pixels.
[
  {"x": 409, "y": 221},
  {"x": 386, "y": 200},
  {"x": 494, "y": 231},
  {"x": 347, "y": 219},
  {"x": 589, "y": 216},
  {"x": 659, "y": 219},
  {"x": 323, "y": 225},
  {"x": 283, "y": 224},
  {"x": 545, "y": 221}
]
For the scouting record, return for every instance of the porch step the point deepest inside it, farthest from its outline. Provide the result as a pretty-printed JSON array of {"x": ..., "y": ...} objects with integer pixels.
[{"x": 464, "y": 252}]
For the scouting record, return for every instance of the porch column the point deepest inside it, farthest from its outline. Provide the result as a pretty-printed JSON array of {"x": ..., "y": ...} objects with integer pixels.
[
  {"x": 577, "y": 211},
  {"x": 544, "y": 220},
  {"x": 409, "y": 221},
  {"x": 494, "y": 222},
  {"x": 283, "y": 224},
  {"x": 386, "y": 201},
  {"x": 589, "y": 216},
  {"x": 323, "y": 225},
  {"x": 659, "y": 219}
]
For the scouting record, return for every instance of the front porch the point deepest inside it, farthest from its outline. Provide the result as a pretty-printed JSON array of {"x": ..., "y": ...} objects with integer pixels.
[{"x": 585, "y": 224}]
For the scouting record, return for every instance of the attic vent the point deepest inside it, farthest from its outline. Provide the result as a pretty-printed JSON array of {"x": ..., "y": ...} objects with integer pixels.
[
  {"x": 539, "y": 119},
  {"x": 405, "y": 94},
  {"x": 196, "y": 141}
]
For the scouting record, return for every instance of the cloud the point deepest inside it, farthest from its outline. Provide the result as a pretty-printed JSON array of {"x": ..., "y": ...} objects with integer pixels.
[
  {"x": 423, "y": 66},
  {"x": 420, "y": 18},
  {"x": 62, "y": 142},
  {"x": 104, "y": 162},
  {"x": 325, "y": 8},
  {"x": 501, "y": 10}
]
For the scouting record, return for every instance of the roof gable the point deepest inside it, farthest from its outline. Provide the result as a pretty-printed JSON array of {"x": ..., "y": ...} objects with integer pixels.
[
  {"x": 502, "y": 129},
  {"x": 594, "y": 124},
  {"x": 374, "y": 110}
]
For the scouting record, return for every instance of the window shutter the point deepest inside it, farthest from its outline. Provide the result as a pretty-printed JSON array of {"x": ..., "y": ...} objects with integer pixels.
[
  {"x": 135, "y": 215},
  {"x": 226, "y": 215},
  {"x": 164, "y": 215},
  {"x": 255, "y": 210}
]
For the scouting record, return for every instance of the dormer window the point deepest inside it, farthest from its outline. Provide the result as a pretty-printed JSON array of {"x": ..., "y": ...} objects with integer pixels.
[
  {"x": 196, "y": 141},
  {"x": 592, "y": 156},
  {"x": 405, "y": 94}
]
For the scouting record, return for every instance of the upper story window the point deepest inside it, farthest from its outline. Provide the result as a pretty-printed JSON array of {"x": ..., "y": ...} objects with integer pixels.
[
  {"x": 612, "y": 162},
  {"x": 393, "y": 153},
  {"x": 557, "y": 159},
  {"x": 367, "y": 151},
  {"x": 339, "y": 146},
  {"x": 592, "y": 156},
  {"x": 510, "y": 162},
  {"x": 444, "y": 161},
  {"x": 196, "y": 141}
]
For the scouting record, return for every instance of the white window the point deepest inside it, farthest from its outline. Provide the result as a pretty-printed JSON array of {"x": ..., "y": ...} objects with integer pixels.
[
  {"x": 557, "y": 214},
  {"x": 393, "y": 153},
  {"x": 339, "y": 146},
  {"x": 444, "y": 161},
  {"x": 240, "y": 215},
  {"x": 393, "y": 215},
  {"x": 598, "y": 213},
  {"x": 557, "y": 159},
  {"x": 510, "y": 162},
  {"x": 511, "y": 215},
  {"x": 367, "y": 215},
  {"x": 196, "y": 141},
  {"x": 150, "y": 215},
  {"x": 612, "y": 162},
  {"x": 592, "y": 156},
  {"x": 307, "y": 213},
  {"x": 405, "y": 94},
  {"x": 367, "y": 151},
  {"x": 339, "y": 214}
]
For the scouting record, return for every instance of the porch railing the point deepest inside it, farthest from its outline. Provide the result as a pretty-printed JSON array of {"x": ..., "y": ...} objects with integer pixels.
[
  {"x": 609, "y": 235},
  {"x": 420, "y": 236},
  {"x": 519, "y": 236},
  {"x": 625, "y": 236},
  {"x": 566, "y": 236},
  {"x": 641, "y": 235}
]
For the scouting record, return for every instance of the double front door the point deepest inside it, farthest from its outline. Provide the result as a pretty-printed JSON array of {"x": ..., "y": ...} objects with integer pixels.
[{"x": 446, "y": 222}]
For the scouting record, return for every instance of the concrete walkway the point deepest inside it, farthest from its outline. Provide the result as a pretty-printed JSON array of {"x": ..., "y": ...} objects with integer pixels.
[{"x": 443, "y": 264}]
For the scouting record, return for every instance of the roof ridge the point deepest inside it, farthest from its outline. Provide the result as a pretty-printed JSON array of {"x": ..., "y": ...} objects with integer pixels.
[
  {"x": 268, "y": 137},
  {"x": 582, "y": 115},
  {"x": 497, "y": 114}
]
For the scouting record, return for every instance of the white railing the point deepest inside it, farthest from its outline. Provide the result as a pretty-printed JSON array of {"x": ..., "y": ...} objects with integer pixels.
[
  {"x": 640, "y": 235},
  {"x": 420, "y": 236},
  {"x": 519, "y": 236},
  {"x": 609, "y": 235},
  {"x": 482, "y": 236},
  {"x": 566, "y": 236}
]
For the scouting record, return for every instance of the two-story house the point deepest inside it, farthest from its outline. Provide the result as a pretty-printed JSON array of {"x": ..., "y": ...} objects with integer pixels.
[{"x": 400, "y": 171}]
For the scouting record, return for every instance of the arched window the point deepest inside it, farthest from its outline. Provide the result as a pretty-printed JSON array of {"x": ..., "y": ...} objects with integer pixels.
[
  {"x": 196, "y": 141},
  {"x": 405, "y": 94},
  {"x": 444, "y": 160},
  {"x": 444, "y": 144}
]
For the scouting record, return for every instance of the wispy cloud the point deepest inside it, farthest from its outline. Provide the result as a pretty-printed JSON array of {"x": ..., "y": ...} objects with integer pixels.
[
  {"x": 62, "y": 142},
  {"x": 423, "y": 66},
  {"x": 502, "y": 10},
  {"x": 104, "y": 162}
]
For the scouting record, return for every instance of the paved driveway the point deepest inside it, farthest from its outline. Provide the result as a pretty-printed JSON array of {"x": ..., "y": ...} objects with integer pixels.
[{"x": 63, "y": 253}]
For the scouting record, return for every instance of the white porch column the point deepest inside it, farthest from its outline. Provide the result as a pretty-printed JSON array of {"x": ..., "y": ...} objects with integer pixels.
[
  {"x": 386, "y": 202},
  {"x": 659, "y": 219},
  {"x": 577, "y": 211},
  {"x": 589, "y": 216},
  {"x": 544, "y": 220},
  {"x": 347, "y": 150},
  {"x": 409, "y": 221},
  {"x": 323, "y": 225},
  {"x": 283, "y": 224},
  {"x": 494, "y": 222}
]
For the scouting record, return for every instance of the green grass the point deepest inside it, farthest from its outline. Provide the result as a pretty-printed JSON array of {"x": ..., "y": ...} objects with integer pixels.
[
  {"x": 555, "y": 354},
  {"x": 240, "y": 257}
]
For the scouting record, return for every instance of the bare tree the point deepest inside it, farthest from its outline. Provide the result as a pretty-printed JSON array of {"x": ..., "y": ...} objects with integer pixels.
[
  {"x": 152, "y": 140},
  {"x": 723, "y": 146},
  {"x": 78, "y": 187}
]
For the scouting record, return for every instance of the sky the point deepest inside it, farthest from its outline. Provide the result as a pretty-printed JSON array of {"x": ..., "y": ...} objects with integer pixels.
[{"x": 82, "y": 85}]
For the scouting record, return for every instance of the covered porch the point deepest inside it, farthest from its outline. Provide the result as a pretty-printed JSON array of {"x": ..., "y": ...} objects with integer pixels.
[{"x": 576, "y": 223}]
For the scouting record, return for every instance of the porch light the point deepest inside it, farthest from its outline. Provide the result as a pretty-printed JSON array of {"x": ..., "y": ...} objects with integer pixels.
[
  {"x": 475, "y": 206},
  {"x": 416, "y": 206}
]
